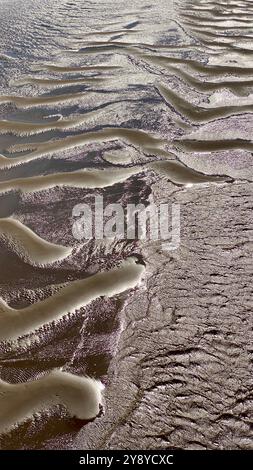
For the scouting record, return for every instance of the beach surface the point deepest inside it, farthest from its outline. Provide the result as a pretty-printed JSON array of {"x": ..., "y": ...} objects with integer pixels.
[{"x": 126, "y": 343}]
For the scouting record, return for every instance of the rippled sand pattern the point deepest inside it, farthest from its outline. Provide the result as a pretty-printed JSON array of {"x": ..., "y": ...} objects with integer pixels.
[
  {"x": 99, "y": 98},
  {"x": 82, "y": 397},
  {"x": 16, "y": 323},
  {"x": 29, "y": 245}
]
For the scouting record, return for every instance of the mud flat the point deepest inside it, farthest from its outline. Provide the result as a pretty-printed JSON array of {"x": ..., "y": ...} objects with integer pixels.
[
  {"x": 138, "y": 103},
  {"x": 186, "y": 349}
]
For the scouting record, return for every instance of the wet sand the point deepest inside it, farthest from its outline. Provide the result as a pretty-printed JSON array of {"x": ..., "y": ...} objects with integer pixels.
[{"x": 139, "y": 102}]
